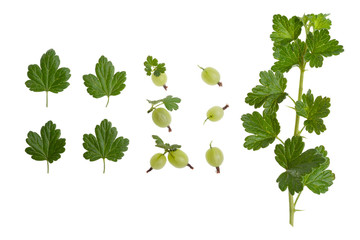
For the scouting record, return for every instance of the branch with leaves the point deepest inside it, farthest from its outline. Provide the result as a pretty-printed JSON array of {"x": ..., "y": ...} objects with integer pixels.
[{"x": 303, "y": 168}]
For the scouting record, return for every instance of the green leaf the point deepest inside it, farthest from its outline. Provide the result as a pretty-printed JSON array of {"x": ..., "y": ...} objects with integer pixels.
[
  {"x": 289, "y": 55},
  {"x": 313, "y": 111},
  {"x": 320, "y": 179},
  {"x": 166, "y": 146},
  {"x": 319, "y": 21},
  {"x": 105, "y": 83},
  {"x": 151, "y": 65},
  {"x": 170, "y": 102},
  {"x": 320, "y": 46},
  {"x": 270, "y": 93},
  {"x": 296, "y": 162},
  {"x": 48, "y": 76},
  {"x": 285, "y": 30},
  {"x": 104, "y": 144},
  {"x": 160, "y": 69},
  {"x": 152, "y": 61},
  {"x": 264, "y": 129},
  {"x": 46, "y": 146}
]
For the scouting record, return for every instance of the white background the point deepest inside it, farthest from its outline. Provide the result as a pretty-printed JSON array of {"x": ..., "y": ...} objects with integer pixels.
[{"x": 77, "y": 201}]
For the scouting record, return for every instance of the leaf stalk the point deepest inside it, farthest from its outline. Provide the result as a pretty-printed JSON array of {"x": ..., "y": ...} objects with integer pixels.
[
  {"x": 107, "y": 101},
  {"x": 47, "y": 93}
]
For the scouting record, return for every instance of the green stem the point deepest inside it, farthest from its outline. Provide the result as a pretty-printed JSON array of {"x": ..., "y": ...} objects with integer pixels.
[
  {"x": 104, "y": 165},
  {"x": 291, "y": 99},
  {"x": 153, "y": 107},
  {"x": 47, "y": 98},
  {"x": 47, "y": 163},
  {"x": 108, "y": 101},
  {"x": 201, "y": 67},
  {"x": 291, "y": 209},
  {"x": 301, "y": 130},
  {"x": 205, "y": 121},
  {"x": 280, "y": 140},
  {"x": 301, "y": 83},
  {"x": 296, "y": 133},
  {"x": 297, "y": 198}
]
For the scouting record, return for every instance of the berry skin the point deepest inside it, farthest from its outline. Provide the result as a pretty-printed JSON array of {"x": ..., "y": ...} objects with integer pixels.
[
  {"x": 160, "y": 80},
  {"x": 214, "y": 157},
  {"x": 179, "y": 159},
  {"x": 211, "y": 76},
  {"x": 157, "y": 161},
  {"x": 162, "y": 118},
  {"x": 215, "y": 113}
]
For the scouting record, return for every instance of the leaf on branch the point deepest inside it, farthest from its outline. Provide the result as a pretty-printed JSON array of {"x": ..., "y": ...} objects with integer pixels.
[
  {"x": 270, "y": 93},
  {"x": 170, "y": 102},
  {"x": 320, "y": 46},
  {"x": 318, "y": 21},
  {"x": 296, "y": 162},
  {"x": 289, "y": 55},
  {"x": 264, "y": 129},
  {"x": 152, "y": 65},
  {"x": 313, "y": 111},
  {"x": 320, "y": 179},
  {"x": 166, "y": 146},
  {"x": 285, "y": 30}
]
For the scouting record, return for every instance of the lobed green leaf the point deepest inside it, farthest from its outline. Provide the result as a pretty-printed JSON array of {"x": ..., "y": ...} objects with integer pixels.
[
  {"x": 270, "y": 93},
  {"x": 320, "y": 179},
  {"x": 170, "y": 102},
  {"x": 46, "y": 146},
  {"x": 289, "y": 55},
  {"x": 320, "y": 46},
  {"x": 151, "y": 65},
  {"x": 318, "y": 21},
  {"x": 104, "y": 144},
  {"x": 296, "y": 163},
  {"x": 106, "y": 82},
  {"x": 264, "y": 130},
  {"x": 313, "y": 111},
  {"x": 48, "y": 76},
  {"x": 166, "y": 146},
  {"x": 285, "y": 30}
]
